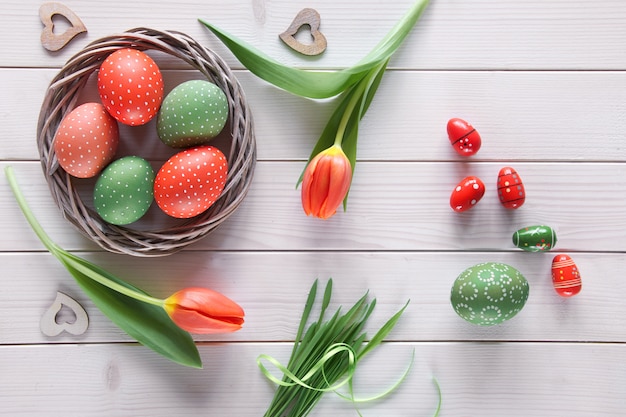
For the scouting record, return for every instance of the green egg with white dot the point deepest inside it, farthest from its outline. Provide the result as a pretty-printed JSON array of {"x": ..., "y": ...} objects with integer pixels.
[
  {"x": 193, "y": 113},
  {"x": 124, "y": 190},
  {"x": 489, "y": 293}
]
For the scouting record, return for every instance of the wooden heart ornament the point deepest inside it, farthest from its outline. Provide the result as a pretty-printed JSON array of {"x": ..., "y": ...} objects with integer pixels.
[
  {"x": 311, "y": 18},
  {"x": 49, "y": 325},
  {"x": 49, "y": 39}
]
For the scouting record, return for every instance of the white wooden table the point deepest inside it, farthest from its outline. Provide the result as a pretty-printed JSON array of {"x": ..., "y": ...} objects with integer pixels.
[{"x": 543, "y": 82}]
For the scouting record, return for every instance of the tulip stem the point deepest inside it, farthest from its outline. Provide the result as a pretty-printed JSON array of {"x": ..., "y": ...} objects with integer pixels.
[
  {"x": 64, "y": 256},
  {"x": 21, "y": 201},
  {"x": 361, "y": 88},
  {"x": 101, "y": 279}
]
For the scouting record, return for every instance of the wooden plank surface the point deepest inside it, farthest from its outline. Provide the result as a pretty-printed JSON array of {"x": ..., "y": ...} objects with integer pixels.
[
  {"x": 525, "y": 115},
  {"x": 273, "y": 312},
  {"x": 477, "y": 35},
  {"x": 392, "y": 206},
  {"x": 487, "y": 379},
  {"x": 542, "y": 81}
]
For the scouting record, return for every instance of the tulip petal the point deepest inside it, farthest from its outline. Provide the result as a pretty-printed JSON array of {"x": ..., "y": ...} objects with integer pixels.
[
  {"x": 195, "y": 322},
  {"x": 201, "y": 310},
  {"x": 340, "y": 179},
  {"x": 320, "y": 185},
  {"x": 306, "y": 185},
  {"x": 326, "y": 182}
]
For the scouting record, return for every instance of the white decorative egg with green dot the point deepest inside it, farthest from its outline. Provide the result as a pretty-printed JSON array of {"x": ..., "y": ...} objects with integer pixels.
[
  {"x": 193, "y": 113},
  {"x": 124, "y": 190},
  {"x": 489, "y": 293}
]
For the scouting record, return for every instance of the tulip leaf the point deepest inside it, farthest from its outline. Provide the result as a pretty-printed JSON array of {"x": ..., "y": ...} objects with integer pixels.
[
  {"x": 311, "y": 84},
  {"x": 314, "y": 83},
  {"x": 352, "y": 106},
  {"x": 147, "y": 322},
  {"x": 350, "y": 139},
  {"x": 355, "y": 85}
]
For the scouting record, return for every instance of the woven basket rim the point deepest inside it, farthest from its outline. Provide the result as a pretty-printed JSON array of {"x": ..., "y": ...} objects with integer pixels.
[{"x": 61, "y": 98}]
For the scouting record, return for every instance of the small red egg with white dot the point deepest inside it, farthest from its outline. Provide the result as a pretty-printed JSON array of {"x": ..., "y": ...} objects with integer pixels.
[
  {"x": 565, "y": 276},
  {"x": 191, "y": 181},
  {"x": 130, "y": 86},
  {"x": 467, "y": 194},
  {"x": 511, "y": 191},
  {"x": 463, "y": 137},
  {"x": 86, "y": 140}
]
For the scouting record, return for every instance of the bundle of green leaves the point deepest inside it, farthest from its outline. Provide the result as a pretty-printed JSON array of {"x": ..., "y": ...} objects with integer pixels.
[{"x": 324, "y": 358}]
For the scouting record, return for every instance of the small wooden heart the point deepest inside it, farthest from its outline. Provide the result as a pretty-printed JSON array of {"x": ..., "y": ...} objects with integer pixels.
[
  {"x": 49, "y": 325},
  {"x": 49, "y": 39},
  {"x": 311, "y": 18}
]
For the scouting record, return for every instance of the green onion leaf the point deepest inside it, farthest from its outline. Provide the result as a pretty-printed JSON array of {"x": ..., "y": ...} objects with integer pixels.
[
  {"x": 383, "y": 332},
  {"x": 325, "y": 357}
]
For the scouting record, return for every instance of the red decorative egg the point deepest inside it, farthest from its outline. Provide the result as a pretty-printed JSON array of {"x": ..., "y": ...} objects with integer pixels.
[
  {"x": 130, "y": 86},
  {"x": 467, "y": 193},
  {"x": 565, "y": 276},
  {"x": 191, "y": 181},
  {"x": 86, "y": 140},
  {"x": 511, "y": 190},
  {"x": 463, "y": 137}
]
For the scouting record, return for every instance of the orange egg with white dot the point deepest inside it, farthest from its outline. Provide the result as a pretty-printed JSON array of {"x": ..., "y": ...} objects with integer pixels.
[
  {"x": 190, "y": 182},
  {"x": 86, "y": 140},
  {"x": 130, "y": 86}
]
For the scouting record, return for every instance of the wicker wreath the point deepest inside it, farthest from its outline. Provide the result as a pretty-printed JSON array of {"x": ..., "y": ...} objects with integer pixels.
[{"x": 61, "y": 98}]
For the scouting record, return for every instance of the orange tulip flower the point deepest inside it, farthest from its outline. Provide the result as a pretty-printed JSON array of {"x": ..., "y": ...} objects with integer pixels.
[
  {"x": 201, "y": 310},
  {"x": 326, "y": 182}
]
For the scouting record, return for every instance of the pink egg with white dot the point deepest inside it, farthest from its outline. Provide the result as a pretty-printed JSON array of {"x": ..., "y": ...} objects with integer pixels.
[
  {"x": 191, "y": 181},
  {"x": 130, "y": 86},
  {"x": 86, "y": 140}
]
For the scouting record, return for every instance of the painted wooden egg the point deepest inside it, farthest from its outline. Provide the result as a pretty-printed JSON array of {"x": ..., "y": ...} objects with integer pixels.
[
  {"x": 193, "y": 113},
  {"x": 535, "y": 238},
  {"x": 191, "y": 181},
  {"x": 565, "y": 276},
  {"x": 464, "y": 138},
  {"x": 86, "y": 140},
  {"x": 130, "y": 86},
  {"x": 511, "y": 190},
  {"x": 467, "y": 193},
  {"x": 124, "y": 191},
  {"x": 489, "y": 293}
]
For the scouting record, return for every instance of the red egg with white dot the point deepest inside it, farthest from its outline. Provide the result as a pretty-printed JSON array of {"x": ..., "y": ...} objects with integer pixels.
[
  {"x": 565, "y": 276},
  {"x": 86, "y": 140},
  {"x": 463, "y": 137},
  {"x": 511, "y": 191},
  {"x": 191, "y": 181},
  {"x": 467, "y": 194},
  {"x": 130, "y": 86}
]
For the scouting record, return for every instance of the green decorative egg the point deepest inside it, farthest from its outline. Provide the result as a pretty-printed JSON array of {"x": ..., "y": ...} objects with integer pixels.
[
  {"x": 193, "y": 113},
  {"x": 489, "y": 293},
  {"x": 535, "y": 238},
  {"x": 124, "y": 190}
]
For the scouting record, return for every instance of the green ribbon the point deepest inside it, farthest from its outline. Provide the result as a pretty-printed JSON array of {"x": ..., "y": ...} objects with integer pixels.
[
  {"x": 331, "y": 352},
  {"x": 290, "y": 379}
]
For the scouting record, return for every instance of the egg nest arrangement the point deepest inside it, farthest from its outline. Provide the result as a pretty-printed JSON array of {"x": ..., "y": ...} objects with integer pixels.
[{"x": 141, "y": 163}]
